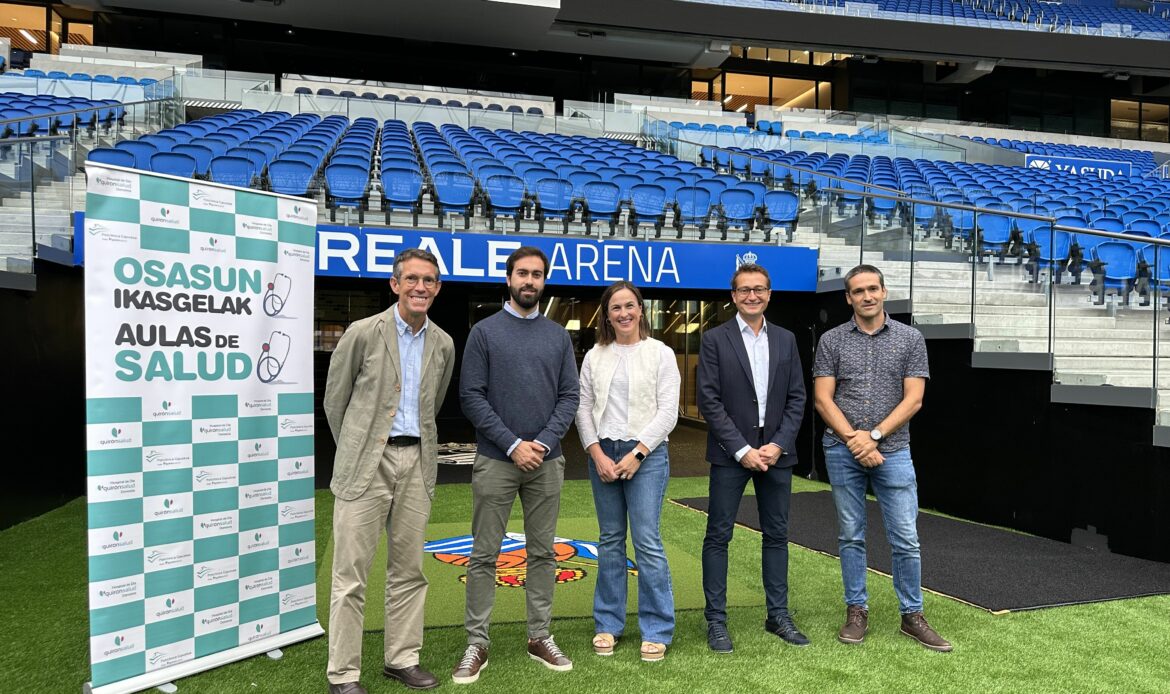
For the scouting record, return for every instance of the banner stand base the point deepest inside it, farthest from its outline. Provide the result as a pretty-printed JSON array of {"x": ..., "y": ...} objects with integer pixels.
[
  {"x": 275, "y": 654},
  {"x": 167, "y": 688},
  {"x": 208, "y": 662}
]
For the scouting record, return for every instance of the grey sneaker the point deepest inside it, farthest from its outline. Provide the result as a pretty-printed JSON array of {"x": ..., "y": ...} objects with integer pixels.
[
  {"x": 916, "y": 627},
  {"x": 474, "y": 660},
  {"x": 548, "y": 653},
  {"x": 856, "y": 624}
]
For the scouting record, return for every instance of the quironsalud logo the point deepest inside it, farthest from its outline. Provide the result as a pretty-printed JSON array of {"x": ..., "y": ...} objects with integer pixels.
[
  {"x": 748, "y": 258},
  {"x": 119, "y": 640},
  {"x": 115, "y": 432},
  {"x": 165, "y": 212},
  {"x": 118, "y": 535},
  {"x": 166, "y": 404},
  {"x": 170, "y": 602}
]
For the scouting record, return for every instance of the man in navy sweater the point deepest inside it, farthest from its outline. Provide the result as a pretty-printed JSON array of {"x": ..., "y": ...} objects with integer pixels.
[{"x": 518, "y": 387}]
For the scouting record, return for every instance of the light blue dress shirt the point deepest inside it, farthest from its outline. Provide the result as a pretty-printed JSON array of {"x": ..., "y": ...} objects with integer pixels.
[
  {"x": 410, "y": 354},
  {"x": 759, "y": 359}
]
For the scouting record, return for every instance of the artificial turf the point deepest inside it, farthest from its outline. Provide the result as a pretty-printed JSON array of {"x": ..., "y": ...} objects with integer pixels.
[{"x": 1112, "y": 646}]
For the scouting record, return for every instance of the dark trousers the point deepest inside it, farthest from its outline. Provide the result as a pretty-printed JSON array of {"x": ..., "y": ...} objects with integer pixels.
[{"x": 772, "y": 494}]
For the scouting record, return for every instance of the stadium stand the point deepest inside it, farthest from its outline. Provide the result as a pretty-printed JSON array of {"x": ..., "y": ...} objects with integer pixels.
[
  {"x": 1030, "y": 15},
  {"x": 1142, "y": 160}
]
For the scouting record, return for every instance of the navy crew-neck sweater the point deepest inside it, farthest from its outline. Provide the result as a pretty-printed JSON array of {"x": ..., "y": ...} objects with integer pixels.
[{"x": 518, "y": 380}]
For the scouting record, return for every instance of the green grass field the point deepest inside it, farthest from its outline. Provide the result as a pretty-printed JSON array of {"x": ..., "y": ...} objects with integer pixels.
[{"x": 1118, "y": 646}]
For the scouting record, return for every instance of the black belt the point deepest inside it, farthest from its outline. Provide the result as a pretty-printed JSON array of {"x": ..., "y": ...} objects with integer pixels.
[{"x": 402, "y": 441}]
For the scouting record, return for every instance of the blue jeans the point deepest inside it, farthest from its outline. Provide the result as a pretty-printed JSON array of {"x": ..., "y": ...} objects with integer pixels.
[
  {"x": 896, "y": 489},
  {"x": 640, "y": 501}
]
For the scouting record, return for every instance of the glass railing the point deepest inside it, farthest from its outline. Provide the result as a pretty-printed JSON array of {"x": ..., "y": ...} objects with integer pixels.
[
  {"x": 41, "y": 159},
  {"x": 381, "y": 111},
  {"x": 1029, "y": 291},
  {"x": 221, "y": 85}
]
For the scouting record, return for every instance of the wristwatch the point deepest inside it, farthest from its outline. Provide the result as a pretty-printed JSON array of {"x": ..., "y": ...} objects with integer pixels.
[
  {"x": 876, "y": 434},
  {"x": 639, "y": 455}
]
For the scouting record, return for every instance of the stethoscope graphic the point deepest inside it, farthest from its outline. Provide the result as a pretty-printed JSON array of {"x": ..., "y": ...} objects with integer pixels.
[
  {"x": 268, "y": 366},
  {"x": 277, "y": 294}
]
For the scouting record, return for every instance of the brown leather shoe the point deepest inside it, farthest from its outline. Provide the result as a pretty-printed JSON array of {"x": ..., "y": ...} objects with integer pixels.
[
  {"x": 549, "y": 654},
  {"x": 474, "y": 660},
  {"x": 413, "y": 677},
  {"x": 856, "y": 624},
  {"x": 916, "y": 627},
  {"x": 347, "y": 688}
]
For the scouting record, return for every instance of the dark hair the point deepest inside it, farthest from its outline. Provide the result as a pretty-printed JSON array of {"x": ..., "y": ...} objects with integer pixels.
[
  {"x": 861, "y": 270},
  {"x": 527, "y": 252},
  {"x": 605, "y": 331},
  {"x": 750, "y": 267},
  {"x": 415, "y": 254}
]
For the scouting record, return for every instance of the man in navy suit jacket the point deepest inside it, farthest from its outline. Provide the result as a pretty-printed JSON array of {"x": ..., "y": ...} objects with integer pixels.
[{"x": 751, "y": 392}]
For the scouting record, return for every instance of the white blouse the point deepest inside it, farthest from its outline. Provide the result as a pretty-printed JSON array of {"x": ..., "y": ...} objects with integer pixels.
[{"x": 615, "y": 417}]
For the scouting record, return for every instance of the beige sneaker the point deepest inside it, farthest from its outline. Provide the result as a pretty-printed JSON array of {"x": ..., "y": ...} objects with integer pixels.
[
  {"x": 549, "y": 654},
  {"x": 474, "y": 660}
]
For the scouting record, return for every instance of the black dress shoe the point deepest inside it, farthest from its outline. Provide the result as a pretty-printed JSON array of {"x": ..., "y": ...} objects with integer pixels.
[
  {"x": 718, "y": 639},
  {"x": 413, "y": 677},
  {"x": 783, "y": 627},
  {"x": 347, "y": 688}
]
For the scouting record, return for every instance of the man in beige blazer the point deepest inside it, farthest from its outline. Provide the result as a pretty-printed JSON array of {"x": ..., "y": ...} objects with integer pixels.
[{"x": 387, "y": 379}]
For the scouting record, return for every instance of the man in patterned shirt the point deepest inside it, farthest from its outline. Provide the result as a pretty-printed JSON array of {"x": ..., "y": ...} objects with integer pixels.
[{"x": 869, "y": 378}]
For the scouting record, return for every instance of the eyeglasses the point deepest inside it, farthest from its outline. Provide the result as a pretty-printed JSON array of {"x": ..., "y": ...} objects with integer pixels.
[
  {"x": 412, "y": 280},
  {"x": 743, "y": 292}
]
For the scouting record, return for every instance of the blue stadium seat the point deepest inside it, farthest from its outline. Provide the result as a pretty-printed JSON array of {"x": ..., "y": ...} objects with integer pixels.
[
  {"x": 110, "y": 155},
  {"x": 346, "y": 187},
  {"x": 291, "y": 177},
  {"x": 173, "y": 164},
  {"x": 554, "y": 199},
  {"x": 402, "y": 190},
  {"x": 601, "y": 200},
  {"x": 232, "y": 171},
  {"x": 504, "y": 195},
  {"x": 781, "y": 208}
]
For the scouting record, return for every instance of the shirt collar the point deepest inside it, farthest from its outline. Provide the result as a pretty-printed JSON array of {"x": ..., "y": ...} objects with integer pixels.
[
  {"x": 854, "y": 326},
  {"x": 402, "y": 326},
  {"x": 744, "y": 326},
  {"x": 531, "y": 316}
]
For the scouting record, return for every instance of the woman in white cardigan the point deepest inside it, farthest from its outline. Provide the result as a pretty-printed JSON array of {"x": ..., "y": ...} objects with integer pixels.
[{"x": 629, "y": 404}]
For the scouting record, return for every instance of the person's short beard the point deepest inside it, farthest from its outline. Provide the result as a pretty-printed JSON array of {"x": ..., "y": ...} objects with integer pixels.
[{"x": 521, "y": 301}]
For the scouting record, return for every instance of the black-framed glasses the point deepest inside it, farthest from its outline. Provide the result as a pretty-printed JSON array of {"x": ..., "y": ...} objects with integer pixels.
[{"x": 743, "y": 292}]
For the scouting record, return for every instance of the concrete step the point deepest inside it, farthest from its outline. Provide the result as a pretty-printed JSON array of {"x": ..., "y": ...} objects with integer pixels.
[{"x": 1078, "y": 348}]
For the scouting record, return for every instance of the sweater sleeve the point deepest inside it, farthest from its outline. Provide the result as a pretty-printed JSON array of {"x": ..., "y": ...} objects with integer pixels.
[
  {"x": 567, "y": 397},
  {"x": 666, "y": 416},
  {"x": 473, "y": 387},
  {"x": 586, "y": 431}
]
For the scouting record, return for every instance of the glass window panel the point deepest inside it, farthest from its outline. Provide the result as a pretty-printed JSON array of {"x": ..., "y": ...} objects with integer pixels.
[
  {"x": 80, "y": 34},
  {"x": 55, "y": 28},
  {"x": 756, "y": 53},
  {"x": 792, "y": 93},
  {"x": 1123, "y": 117},
  {"x": 822, "y": 58},
  {"x": 27, "y": 24},
  {"x": 1155, "y": 122},
  {"x": 825, "y": 95}
]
